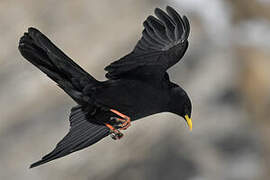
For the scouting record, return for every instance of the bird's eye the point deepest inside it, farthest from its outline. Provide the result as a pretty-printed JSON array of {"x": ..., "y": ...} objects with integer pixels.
[
  {"x": 183, "y": 93},
  {"x": 186, "y": 109}
]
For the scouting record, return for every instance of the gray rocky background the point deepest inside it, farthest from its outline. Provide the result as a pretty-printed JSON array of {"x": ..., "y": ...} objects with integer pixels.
[{"x": 226, "y": 71}]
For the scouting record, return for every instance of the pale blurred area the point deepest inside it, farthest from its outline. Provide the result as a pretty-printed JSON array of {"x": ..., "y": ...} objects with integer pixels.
[{"x": 226, "y": 72}]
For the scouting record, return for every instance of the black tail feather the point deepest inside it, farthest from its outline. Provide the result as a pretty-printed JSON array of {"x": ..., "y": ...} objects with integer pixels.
[{"x": 42, "y": 53}]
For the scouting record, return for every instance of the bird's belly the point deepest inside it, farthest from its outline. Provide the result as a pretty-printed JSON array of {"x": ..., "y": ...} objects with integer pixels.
[{"x": 135, "y": 99}]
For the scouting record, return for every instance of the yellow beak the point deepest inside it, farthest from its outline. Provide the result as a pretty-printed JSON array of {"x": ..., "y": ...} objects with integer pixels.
[{"x": 189, "y": 122}]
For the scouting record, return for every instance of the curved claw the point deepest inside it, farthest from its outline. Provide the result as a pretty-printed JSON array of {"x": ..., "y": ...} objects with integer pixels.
[
  {"x": 115, "y": 133},
  {"x": 116, "y": 136}
]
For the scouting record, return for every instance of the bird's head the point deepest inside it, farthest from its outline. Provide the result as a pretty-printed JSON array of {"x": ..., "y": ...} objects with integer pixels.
[{"x": 181, "y": 104}]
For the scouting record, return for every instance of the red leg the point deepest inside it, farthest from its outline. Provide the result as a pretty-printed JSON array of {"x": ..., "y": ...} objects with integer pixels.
[{"x": 125, "y": 122}]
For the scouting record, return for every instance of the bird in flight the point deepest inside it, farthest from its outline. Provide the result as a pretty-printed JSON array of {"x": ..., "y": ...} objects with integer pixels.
[{"x": 137, "y": 84}]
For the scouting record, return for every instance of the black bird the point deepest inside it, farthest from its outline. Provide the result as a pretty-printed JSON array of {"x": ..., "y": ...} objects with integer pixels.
[{"x": 137, "y": 86}]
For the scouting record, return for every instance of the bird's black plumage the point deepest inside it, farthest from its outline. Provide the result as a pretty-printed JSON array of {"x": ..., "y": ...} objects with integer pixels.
[{"x": 137, "y": 86}]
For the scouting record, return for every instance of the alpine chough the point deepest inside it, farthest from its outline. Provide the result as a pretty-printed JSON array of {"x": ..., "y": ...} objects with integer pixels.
[{"x": 137, "y": 84}]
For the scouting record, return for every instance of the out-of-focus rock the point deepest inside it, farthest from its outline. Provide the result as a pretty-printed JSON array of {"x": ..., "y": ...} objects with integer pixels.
[
  {"x": 254, "y": 84},
  {"x": 227, "y": 85},
  {"x": 245, "y": 10},
  {"x": 254, "y": 80}
]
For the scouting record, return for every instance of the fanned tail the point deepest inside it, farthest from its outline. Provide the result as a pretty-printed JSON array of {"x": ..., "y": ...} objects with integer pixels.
[{"x": 41, "y": 52}]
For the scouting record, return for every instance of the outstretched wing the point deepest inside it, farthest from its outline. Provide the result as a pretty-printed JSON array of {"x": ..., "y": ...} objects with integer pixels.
[
  {"x": 163, "y": 43},
  {"x": 82, "y": 134}
]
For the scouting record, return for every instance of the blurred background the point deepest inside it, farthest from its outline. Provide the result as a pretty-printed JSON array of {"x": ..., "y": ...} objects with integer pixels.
[{"x": 226, "y": 72}]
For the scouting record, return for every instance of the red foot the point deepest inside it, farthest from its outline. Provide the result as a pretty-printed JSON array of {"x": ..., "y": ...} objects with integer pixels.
[
  {"x": 125, "y": 122},
  {"x": 115, "y": 134}
]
